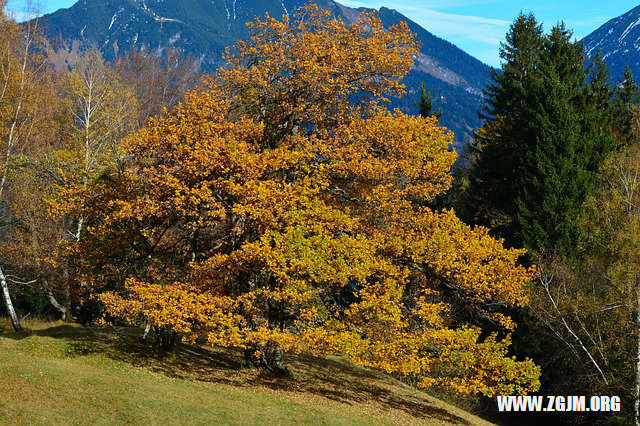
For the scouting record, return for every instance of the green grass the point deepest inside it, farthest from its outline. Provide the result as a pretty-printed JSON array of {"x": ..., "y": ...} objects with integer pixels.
[{"x": 66, "y": 374}]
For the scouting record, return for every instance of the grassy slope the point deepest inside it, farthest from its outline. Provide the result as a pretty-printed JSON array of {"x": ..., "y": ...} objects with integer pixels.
[{"x": 65, "y": 374}]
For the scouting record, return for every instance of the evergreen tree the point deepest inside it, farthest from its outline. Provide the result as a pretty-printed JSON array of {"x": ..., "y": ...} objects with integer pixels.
[
  {"x": 520, "y": 55},
  {"x": 599, "y": 82},
  {"x": 627, "y": 93},
  {"x": 599, "y": 114},
  {"x": 489, "y": 198},
  {"x": 553, "y": 179},
  {"x": 626, "y": 99},
  {"x": 426, "y": 104},
  {"x": 548, "y": 127}
]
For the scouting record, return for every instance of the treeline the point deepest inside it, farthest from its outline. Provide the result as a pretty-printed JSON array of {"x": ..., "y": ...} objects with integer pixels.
[{"x": 555, "y": 170}]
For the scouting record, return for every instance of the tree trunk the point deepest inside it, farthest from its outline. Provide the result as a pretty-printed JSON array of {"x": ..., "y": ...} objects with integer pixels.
[
  {"x": 63, "y": 310},
  {"x": 268, "y": 357},
  {"x": 545, "y": 281},
  {"x": 7, "y": 301},
  {"x": 147, "y": 329},
  {"x": 166, "y": 338}
]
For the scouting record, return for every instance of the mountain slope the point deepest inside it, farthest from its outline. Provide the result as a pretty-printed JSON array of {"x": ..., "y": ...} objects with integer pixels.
[
  {"x": 204, "y": 28},
  {"x": 619, "y": 41},
  {"x": 454, "y": 78}
]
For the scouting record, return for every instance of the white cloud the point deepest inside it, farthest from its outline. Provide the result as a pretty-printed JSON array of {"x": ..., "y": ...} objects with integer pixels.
[
  {"x": 493, "y": 41},
  {"x": 453, "y": 27}
]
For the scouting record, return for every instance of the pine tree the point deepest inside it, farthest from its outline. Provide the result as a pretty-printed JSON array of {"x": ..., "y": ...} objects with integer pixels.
[
  {"x": 489, "y": 198},
  {"x": 426, "y": 104},
  {"x": 599, "y": 113},
  {"x": 628, "y": 92},
  {"x": 552, "y": 185},
  {"x": 599, "y": 81},
  {"x": 626, "y": 99},
  {"x": 548, "y": 127},
  {"x": 520, "y": 55}
]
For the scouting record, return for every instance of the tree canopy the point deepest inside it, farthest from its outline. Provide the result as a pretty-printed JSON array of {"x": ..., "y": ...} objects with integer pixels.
[
  {"x": 549, "y": 125},
  {"x": 281, "y": 208}
]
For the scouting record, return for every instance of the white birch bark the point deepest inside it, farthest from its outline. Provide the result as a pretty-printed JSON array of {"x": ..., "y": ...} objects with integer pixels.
[
  {"x": 54, "y": 302},
  {"x": 8, "y": 303}
]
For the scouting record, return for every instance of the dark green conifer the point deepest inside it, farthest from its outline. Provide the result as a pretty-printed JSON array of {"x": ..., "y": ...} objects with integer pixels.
[
  {"x": 426, "y": 104},
  {"x": 626, "y": 100},
  {"x": 548, "y": 127},
  {"x": 489, "y": 197},
  {"x": 599, "y": 114},
  {"x": 627, "y": 92},
  {"x": 553, "y": 179}
]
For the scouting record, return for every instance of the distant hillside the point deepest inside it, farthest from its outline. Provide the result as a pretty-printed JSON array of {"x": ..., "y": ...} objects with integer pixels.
[
  {"x": 619, "y": 41},
  {"x": 204, "y": 28}
]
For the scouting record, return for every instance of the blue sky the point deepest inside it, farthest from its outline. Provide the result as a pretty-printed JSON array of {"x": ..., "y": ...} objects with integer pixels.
[{"x": 476, "y": 26}]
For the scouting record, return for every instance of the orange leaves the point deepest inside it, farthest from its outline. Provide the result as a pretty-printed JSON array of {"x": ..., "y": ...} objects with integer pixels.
[
  {"x": 465, "y": 260},
  {"x": 303, "y": 72},
  {"x": 179, "y": 307},
  {"x": 463, "y": 364},
  {"x": 269, "y": 210},
  {"x": 405, "y": 155}
]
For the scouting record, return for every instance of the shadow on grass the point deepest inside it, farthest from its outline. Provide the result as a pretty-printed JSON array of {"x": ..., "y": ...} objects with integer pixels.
[{"x": 332, "y": 379}]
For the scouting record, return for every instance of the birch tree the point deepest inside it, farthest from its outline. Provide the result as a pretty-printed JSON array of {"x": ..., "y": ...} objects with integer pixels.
[
  {"x": 613, "y": 224},
  {"x": 99, "y": 109},
  {"x": 592, "y": 307},
  {"x": 22, "y": 75}
]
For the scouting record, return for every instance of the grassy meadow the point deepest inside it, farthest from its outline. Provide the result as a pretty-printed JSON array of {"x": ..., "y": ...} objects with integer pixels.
[{"x": 56, "y": 373}]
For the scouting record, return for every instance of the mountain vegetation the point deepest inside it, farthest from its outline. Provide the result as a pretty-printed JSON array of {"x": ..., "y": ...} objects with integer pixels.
[
  {"x": 554, "y": 170},
  {"x": 271, "y": 212},
  {"x": 205, "y": 28},
  {"x": 547, "y": 130}
]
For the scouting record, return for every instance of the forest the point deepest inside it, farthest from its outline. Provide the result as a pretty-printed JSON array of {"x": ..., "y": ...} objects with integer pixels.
[{"x": 281, "y": 207}]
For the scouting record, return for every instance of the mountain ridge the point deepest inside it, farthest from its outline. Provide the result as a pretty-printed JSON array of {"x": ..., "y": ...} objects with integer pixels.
[
  {"x": 204, "y": 28},
  {"x": 619, "y": 41}
]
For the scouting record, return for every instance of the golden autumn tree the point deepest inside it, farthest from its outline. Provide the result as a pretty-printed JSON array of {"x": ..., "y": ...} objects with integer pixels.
[
  {"x": 283, "y": 208},
  {"x": 25, "y": 115}
]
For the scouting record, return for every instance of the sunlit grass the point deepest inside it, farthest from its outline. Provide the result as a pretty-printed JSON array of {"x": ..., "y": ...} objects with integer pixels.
[{"x": 60, "y": 373}]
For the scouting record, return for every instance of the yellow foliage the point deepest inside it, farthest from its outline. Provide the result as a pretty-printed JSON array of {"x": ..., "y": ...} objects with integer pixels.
[{"x": 273, "y": 209}]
